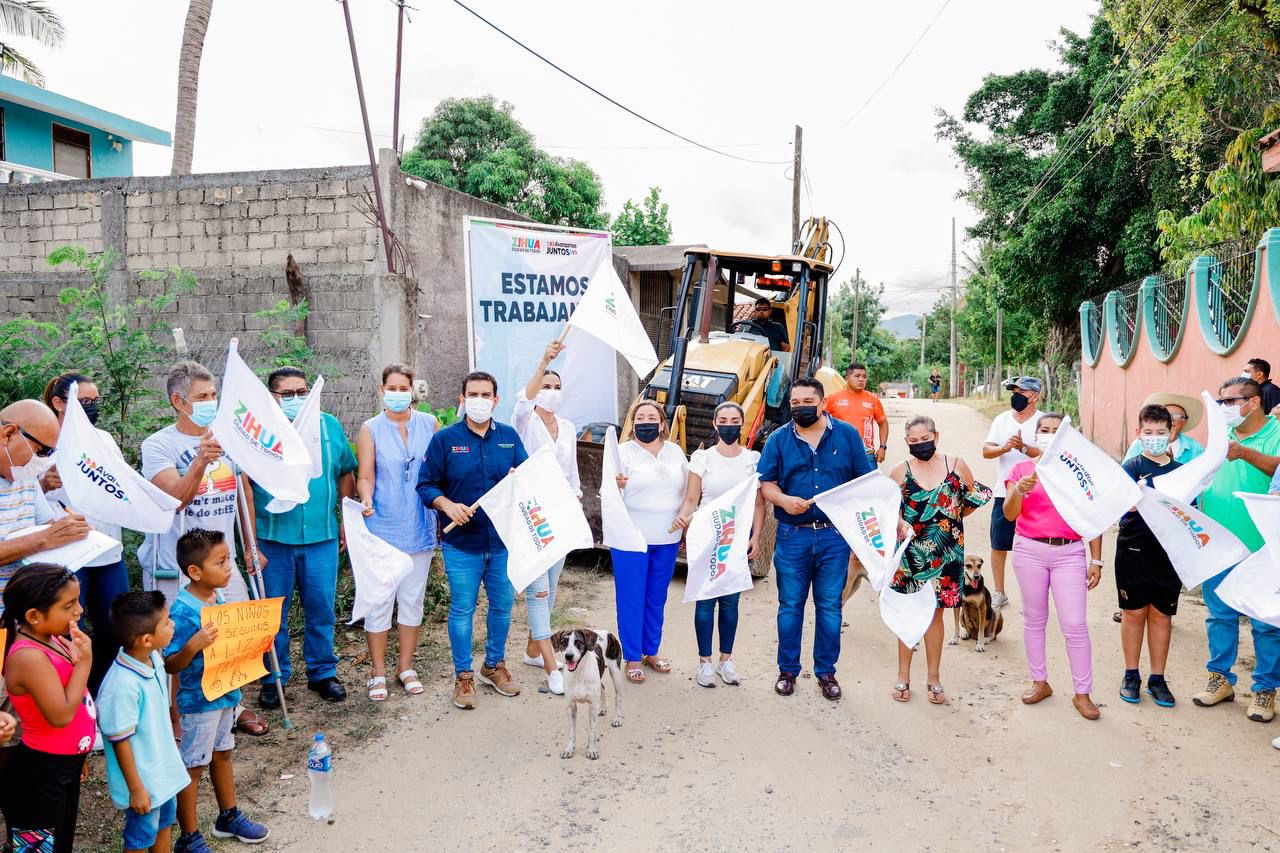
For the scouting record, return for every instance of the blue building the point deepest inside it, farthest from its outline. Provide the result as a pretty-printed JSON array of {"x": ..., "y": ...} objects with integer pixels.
[{"x": 45, "y": 136}]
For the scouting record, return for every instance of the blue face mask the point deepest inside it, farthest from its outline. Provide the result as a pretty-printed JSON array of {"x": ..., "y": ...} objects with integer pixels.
[
  {"x": 291, "y": 406},
  {"x": 397, "y": 401},
  {"x": 203, "y": 412}
]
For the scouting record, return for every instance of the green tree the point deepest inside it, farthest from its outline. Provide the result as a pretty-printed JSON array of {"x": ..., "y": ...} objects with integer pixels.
[
  {"x": 643, "y": 224},
  {"x": 476, "y": 145},
  {"x": 27, "y": 19}
]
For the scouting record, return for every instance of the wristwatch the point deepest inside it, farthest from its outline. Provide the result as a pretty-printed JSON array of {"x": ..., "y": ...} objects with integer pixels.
[{"x": 884, "y": 447}]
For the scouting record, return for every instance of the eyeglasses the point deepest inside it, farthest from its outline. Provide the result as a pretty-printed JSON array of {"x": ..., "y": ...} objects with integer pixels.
[
  {"x": 290, "y": 395},
  {"x": 1174, "y": 417},
  {"x": 1232, "y": 401},
  {"x": 44, "y": 451}
]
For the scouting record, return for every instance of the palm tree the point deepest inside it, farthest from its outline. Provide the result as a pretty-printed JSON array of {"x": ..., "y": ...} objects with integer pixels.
[
  {"x": 27, "y": 19},
  {"x": 184, "y": 123}
]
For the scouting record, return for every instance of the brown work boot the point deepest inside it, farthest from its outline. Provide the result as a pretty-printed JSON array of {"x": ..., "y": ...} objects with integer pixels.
[
  {"x": 464, "y": 691},
  {"x": 1217, "y": 690},
  {"x": 1263, "y": 707},
  {"x": 499, "y": 679}
]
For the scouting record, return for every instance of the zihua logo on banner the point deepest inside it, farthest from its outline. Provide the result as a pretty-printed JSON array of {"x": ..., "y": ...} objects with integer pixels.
[
  {"x": 723, "y": 524},
  {"x": 101, "y": 478},
  {"x": 869, "y": 527},
  {"x": 253, "y": 432},
  {"x": 538, "y": 526},
  {"x": 527, "y": 245},
  {"x": 611, "y": 306},
  {"x": 1082, "y": 476},
  {"x": 1198, "y": 537}
]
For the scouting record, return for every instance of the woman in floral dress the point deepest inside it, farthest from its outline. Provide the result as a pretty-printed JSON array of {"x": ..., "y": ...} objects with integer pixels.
[{"x": 938, "y": 491}]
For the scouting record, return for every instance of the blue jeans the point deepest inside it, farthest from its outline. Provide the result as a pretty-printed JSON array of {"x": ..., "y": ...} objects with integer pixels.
[
  {"x": 640, "y": 582},
  {"x": 99, "y": 586},
  {"x": 313, "y": 570},
  {"x": 704, "y": 613},
  {"x": 1223, "y": 627},
  {"x": 540, "y": 601},
  {"x": 465, "y": 571},
  {"x": 804, "y": 557}
]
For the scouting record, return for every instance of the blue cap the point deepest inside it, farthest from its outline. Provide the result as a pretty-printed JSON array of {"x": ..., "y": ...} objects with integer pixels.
[{"x": 319, "y": 736}]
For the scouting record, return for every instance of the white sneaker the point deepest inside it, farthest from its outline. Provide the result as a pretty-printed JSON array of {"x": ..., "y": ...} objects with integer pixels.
[
  {"x": 555, "y": 683},
  {"x": 706, "y": 675},
  {"x": 998, "y": 600},
  {"x": 1276, "y": 743},
  {"x": 528, "y": 661},
  {"x": 727, "y": 673}
]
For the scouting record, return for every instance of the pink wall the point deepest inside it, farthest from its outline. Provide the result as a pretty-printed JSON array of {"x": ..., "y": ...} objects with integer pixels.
[{"x": 1110, "y": 395}]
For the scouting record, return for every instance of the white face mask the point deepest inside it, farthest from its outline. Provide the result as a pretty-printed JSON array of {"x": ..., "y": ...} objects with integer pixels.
[
  {"x": 29, "y": 471},
  {"x": 1232, "y": 415},
  {"x": 1044, "y": 439},
  {"x": 549, "y": 399},
  {"x": 479, "y": 409}
]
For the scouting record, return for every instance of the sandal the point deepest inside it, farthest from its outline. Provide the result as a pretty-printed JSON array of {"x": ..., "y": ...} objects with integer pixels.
[
  {"x": 902, "y": 691},
  {"x": 656, "y": 663},
  {"x": 377, "y": 688},
  {"x": 251, "y": 724},
  {"x": 635, "y": 674},
  {"x": 937, "y": 695},
  {"x": 409, "y": 680}
]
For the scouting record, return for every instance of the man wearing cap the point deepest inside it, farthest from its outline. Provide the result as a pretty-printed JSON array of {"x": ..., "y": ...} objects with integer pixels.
[
  {"x": 762, "y": 316},
  {"x": 1186, "y": 413},
  {"x": 1012, "y": 439}
]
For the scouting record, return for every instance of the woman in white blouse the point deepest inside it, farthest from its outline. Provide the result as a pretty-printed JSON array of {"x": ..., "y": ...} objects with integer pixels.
[
  {"x": 652, "y": 480},
  {"x": 536, "y": 421},
  {"x": 712, "y": 472}
]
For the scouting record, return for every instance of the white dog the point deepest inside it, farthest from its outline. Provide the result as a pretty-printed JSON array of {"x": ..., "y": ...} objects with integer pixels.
[{"x": 587, "y": 654}]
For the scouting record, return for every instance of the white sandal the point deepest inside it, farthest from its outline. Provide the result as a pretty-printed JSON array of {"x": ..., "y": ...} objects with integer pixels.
[
  {"x": 377, "y": 688},
  {"x": 411, "y": 684}
]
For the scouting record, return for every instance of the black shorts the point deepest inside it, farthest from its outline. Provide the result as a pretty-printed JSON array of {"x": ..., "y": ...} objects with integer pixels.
[
  {"x": 1002, "y": 529},
  {"x": 40, "y": 796},
  {"x": 1146, "y": 578}
]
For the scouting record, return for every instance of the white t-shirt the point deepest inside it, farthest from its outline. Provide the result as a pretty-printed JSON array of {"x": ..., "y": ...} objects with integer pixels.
[
  {"x": 1002, "y": 427},
  {"x": 213, "y": 508},
  {"x": 58, "y": 499},
  {"x": 720, "y": 473},
  {"x": 535, "y": 436},
  {"x": 655, "y": 489}
]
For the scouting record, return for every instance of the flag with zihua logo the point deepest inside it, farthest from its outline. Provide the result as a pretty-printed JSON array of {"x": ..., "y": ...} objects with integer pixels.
[
  {"x": 1187, "y": 481},
  {"x": 307, "y": 423},
  {"x": 377, "y": 566},
  {"x": 717, "y": 541},
  {"x": 1088, "y": 488},
  {"x": 255, "y": 432},
  {"x": 1253, "y": 587},
  {"x": 865, "y": 511},
  {"x": 1198, "y": 547},
  {"x": 100, "y": 484},
  {"x": 606, "y": 313},
  {"x": 537, "y": 515}
]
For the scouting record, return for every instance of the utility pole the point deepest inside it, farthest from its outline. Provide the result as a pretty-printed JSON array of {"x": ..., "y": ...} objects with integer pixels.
[
  {"x": 853, "y": 334},
  {"x": 955, "y": 377},
  {"x": 795, "y": 192},
  {"x": 924, "y": 318},
  {"x": 395, "y": 113}
]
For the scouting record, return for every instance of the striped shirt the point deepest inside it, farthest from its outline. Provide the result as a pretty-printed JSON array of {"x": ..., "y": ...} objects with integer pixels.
[{"x": 22, "y": 505}]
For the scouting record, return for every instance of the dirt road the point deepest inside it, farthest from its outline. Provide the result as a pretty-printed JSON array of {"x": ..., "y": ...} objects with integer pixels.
[{"x": 740, "y": 768}]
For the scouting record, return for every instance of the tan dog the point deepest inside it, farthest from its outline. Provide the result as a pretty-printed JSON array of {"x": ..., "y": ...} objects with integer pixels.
[
  {"x": 975, "y": 617},
  {"x": 857, "y": 574}
]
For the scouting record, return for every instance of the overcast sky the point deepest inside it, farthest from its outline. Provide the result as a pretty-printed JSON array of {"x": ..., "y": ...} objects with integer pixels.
[{"x": 276, "y": 91}]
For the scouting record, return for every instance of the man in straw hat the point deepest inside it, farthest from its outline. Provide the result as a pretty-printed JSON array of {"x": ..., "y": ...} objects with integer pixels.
[{"x": 1186, "y": 413}]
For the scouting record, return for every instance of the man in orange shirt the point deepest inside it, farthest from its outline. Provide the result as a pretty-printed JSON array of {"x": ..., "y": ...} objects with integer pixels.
[{"x": 860, "y": 408}]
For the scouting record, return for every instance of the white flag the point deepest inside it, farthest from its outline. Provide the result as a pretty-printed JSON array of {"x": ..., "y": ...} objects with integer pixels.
[
  {"x": 1088, "y": 488},
  {"x": 908, "y": 614},
  {"x": 865, "y": 511},
  {"x": 256, "y": 433},
  {"x": 605, "y": 312},
  {"x": 617, "y": 529},
  {"x": 1188, "y": 481},
  {"x": 1198, "y": 547},
  {"x": 98, "y": 481},
  {"x": 1253, "y": 587},
  {"x": 307, "y": 423},
  {"x": 717, "y": 542},
  {"x": 1265, "y": 512},
  {"x": 378, "y": 568},
  {"x": 538, "y": 517}
]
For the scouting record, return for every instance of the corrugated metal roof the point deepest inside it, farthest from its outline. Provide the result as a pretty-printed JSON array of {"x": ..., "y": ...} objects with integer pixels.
[{"x": 653, "y": 258}]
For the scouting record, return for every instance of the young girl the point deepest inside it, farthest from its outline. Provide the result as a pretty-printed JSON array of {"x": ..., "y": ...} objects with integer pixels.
[{"x": 46, "y": 677}]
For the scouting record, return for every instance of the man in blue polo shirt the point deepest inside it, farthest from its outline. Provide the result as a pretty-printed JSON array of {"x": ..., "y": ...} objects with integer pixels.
[
  {"x": 808, "y": 456},
  {"x": 463, "y": 462}
]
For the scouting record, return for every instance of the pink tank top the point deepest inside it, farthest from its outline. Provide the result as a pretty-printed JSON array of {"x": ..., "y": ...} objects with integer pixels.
[{"x": 73, "y": 739}]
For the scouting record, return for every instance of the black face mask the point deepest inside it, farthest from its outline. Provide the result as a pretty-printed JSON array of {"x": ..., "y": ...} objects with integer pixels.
[
  {"x": 804, "y": 416},
  {"x": 91, "y": 411},
  {"x": 924, "y": 450},
  {"x": 646, "y": 433},
  {"x": 730, "y": 434},
  {"x": 1019, "y": 402}
]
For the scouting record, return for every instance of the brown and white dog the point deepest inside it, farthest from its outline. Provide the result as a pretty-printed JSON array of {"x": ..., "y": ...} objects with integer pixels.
[
  {"x": 975, "y": 617},
  {"x": 587, "y": 654}
]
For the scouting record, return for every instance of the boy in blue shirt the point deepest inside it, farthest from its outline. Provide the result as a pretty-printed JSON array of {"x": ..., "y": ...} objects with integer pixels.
[
  {"x": 144, "y": 768},
  {"x": 207, "y": 740}
]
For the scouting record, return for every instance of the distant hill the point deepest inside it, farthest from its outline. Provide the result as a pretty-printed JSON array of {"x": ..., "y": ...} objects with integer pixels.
[{"x": 904, "y": 327}]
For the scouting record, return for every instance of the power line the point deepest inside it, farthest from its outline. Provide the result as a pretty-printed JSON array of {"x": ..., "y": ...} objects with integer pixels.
[
  {"x": 616, "y": 103},
  {"x": 901, "y": 62}
]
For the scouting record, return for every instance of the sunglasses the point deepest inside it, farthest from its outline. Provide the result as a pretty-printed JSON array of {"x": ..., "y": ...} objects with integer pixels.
[
  {"x": 44, "y": 451},
  {"x": 290, "y": 395},
  {"x": 1232, "y": 401}
]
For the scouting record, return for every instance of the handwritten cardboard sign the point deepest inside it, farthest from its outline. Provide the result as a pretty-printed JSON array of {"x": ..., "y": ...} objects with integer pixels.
[{"x": 246, "y": 629}]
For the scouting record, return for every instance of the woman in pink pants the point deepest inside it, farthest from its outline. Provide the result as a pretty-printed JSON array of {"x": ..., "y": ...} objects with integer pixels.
[{"x": 1049, "y": 555}]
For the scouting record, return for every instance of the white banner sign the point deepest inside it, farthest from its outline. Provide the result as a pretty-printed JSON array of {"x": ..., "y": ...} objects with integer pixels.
[
  {"x": 524, "y": 281},
  {"x": 865, "y": 511},
  {"x": 378, "y": 568},
  {"x": 1198, "y": 547},
  {"x": 617, "y": 529},
  {"x": 537, "y": 515},
  {"x": 1088, "y": 488},
  {"x": 307, "y": 423},
  {"x": 1253, "y": 587},
  {"x": 606, "y": 314},
  {"x": 100, "y": 484},
  {"x": 717, "y": 542},
  {"x": 1188, "y": 481}
]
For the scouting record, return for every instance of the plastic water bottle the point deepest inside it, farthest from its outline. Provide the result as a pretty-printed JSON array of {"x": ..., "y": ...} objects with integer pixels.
[{"x": 320, "y": 771}]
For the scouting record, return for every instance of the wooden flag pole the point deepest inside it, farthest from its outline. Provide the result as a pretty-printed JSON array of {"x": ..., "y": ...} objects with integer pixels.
[{"x": 451, "y": 525}]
